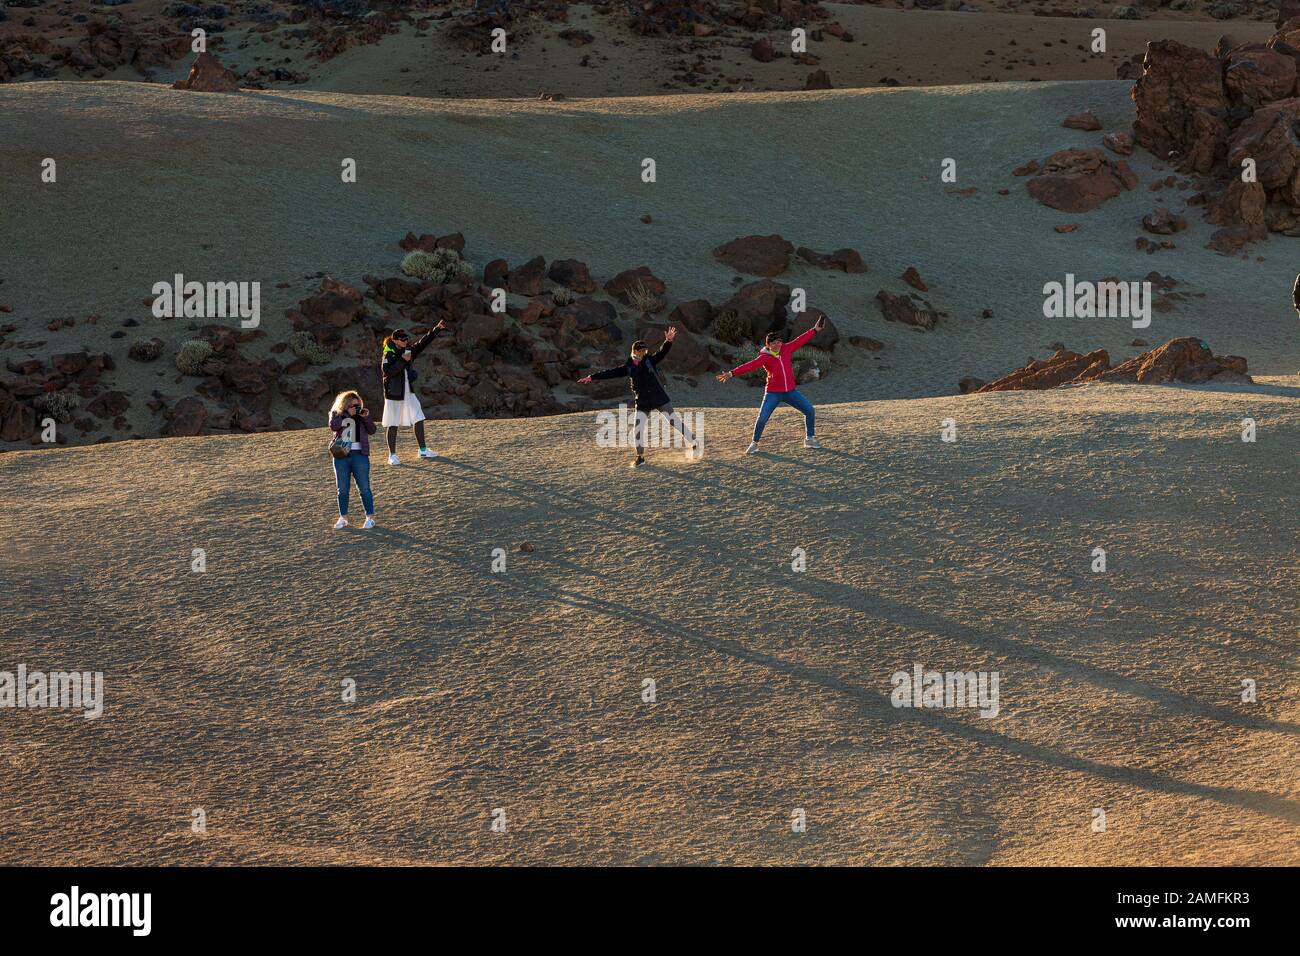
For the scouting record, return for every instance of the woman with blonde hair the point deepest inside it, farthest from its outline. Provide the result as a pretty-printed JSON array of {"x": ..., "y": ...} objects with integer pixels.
[{"x": 352, "y": 426}]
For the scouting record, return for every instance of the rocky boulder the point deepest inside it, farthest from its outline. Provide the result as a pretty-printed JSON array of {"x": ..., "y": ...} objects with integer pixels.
[
  {"x": 634, "y": 281},
  {"x": 1182, "y": 105},
  {"x": 207, "y": 75},
  {"x": 1187, "y": 360},
  {"x": 694, "y": 315},
  {"x": 1062, "y": 367},
  {"x": 1079, "y": 180},
  {"x": 573, "y": 275},
  {"x": 756, "y": 255}
]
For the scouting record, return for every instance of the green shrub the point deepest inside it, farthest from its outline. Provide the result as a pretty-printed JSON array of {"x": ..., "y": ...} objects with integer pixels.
[
  {"x": 1126, "y": 13},
  {"x": 440, "y": 265},
  {"x": 562, "y": 296},
  {"x": 732, "y": 328},
  {"x": 191, "y": 356},
  {"x": 304, "y": 345},
  {"x": 57, "y": 405}
]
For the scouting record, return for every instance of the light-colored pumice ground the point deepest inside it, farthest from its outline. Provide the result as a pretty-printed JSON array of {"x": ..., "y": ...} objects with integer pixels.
[
  {"x": 523, "y": 690},
  {"x": 247, "y": 187}
]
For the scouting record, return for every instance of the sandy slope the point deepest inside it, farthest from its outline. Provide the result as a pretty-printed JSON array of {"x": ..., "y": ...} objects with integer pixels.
[
  {"x": 522, "y": 690},
  {"x": 246, "y": 187}
]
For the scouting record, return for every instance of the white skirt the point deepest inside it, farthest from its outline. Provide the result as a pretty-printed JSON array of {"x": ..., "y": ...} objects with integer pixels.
[{"x": 406, "y": 412}]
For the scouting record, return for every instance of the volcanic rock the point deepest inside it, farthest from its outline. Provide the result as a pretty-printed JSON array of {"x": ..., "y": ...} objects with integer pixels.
[
  {"x": 207, "y": 75},
  {"x": 756, "y": 255}
]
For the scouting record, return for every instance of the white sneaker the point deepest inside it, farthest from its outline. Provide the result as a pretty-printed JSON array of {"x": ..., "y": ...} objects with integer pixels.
[
  {"x": 394, "y": 460},
  {"x": 341, "y": 523},
  {"x": 811, "y": 442},
  {"x": 428, "y": 453},
  {"x": 753, "y": 447},
  {"x": 370, "y": 523}
]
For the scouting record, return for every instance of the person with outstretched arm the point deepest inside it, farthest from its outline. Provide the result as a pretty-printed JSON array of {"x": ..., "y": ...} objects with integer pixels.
[
  {"x": 401, "y": 406},
  {"x": 641, "y": 369},
  {"x": 775, "y": 358}
]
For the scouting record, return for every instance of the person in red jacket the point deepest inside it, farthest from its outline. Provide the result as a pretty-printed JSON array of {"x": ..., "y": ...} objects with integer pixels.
[{"x": 775, "y": 359}]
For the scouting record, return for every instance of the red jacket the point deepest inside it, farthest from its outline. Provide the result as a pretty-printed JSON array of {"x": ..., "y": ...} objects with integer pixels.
[{"x": 780, "y": 376}]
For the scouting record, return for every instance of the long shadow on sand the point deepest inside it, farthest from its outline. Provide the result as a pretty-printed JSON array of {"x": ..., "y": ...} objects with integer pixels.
[
  {"x": 874, "y": 705},
  {"x": 865, "y": 602}
]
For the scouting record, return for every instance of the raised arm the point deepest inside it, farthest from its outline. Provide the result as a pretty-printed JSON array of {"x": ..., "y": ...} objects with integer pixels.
[
  {"x": 799, "y": 341},
  {"x": 662, "y": 353}
]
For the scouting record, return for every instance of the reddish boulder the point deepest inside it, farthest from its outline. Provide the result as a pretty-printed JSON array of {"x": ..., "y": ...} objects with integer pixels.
[
  {"x": 630, "y": 280},
  {"x": 756, "y": 255},
  {"x": 1118, "y": 142},
  {"x": 762, "y": 305},
  {"x": 1269, "y": 138},
  {"x": 483, "y": 330},
  {"x": 207, "y": 75},
  {"x": 1187, "y": 360},
  {"x": 1181, "y": 105},
  {"x": 1254, "y": 78},
  {"x": 1084, "y": 121},
  {"x": 762, "y": 50},
  {"x": 495, "y": 272},
  {"x": 1079, "y": 180},
  {"x": 17, "y": 419},
  {"x": 572, "y": 274},
  {"x": 529, "y": 278},
  {"x": 1063, "y": 366},
  {"x": 186, "y": 419},
  {"x": 913, "y": 278},
  {"x": 694, "y": 315},
  {"x": 335, "y": 305}
]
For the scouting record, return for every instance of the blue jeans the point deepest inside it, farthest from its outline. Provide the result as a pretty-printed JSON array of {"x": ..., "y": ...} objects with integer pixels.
[
  {"x": 791, "y": 398},
  {"x": 357, "y": 466}
]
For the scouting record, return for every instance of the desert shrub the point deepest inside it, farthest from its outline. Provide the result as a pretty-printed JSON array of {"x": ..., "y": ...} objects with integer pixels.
[
  {"x": 145, "y": 350},
  {"x": 1126, "y": 13},
  {"x": 810, "y": 364},
  {"x": 57, "y": 405},
  {"x": 440, "y": 265},
  {"x": 304, "y": 345},
  {"x": 642, "y": 299},
  {"x": 1223, "y": 11},
  {"x": 732, "y": 328},
  {"x": 562, "y": 296},
  {"x": 191, "y": 356}
]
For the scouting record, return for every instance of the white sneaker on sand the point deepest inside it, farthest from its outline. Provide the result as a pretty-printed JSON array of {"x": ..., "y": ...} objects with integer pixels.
[
  {"x": 428, "y": 453},
  {"x": 394, "y": 460},
  {"x": 811, "y": 442},
  {"x": 753, "y": 447},
  {"x": 370, "y": 523},
  {"x": 341, "y": 523}
]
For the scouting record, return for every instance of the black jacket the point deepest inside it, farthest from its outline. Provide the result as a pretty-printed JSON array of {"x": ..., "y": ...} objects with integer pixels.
[
  {"x": 394, "y": 365},
  {"x": 645, "y": 383}
]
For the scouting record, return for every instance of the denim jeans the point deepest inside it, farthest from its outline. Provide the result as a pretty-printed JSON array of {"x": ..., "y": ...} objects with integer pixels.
[
  {"x": 792, "y": 398},
  {"x": 357, "y": 466}
]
